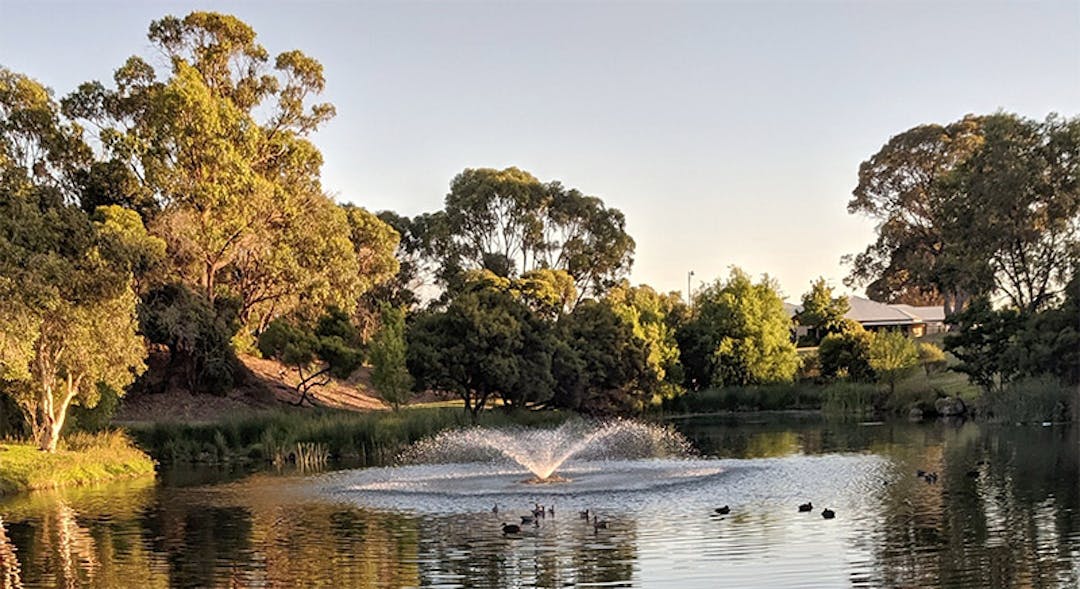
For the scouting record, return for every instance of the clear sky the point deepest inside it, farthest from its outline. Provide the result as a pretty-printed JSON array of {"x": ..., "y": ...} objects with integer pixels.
[{"x": 727, "y": 132}]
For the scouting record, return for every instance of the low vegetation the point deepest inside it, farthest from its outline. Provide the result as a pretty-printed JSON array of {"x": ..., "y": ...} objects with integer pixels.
[
  {"x": 279, "y": 437},
  {"x": 81, "y": 459}
]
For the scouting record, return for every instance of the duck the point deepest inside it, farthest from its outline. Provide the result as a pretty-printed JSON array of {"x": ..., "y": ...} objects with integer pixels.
[
  {"x": 808, "y": 506},
  {"x": 511, "y": 529},
  {"x": 723, "y": 510},
  {"x": 495, "y": 509},
  {"x": 528, "y": 519},
  {"x": 599, "y": 524},
  {"x": 828, "y": 513},
  {"x": 551, "y": 510},
  {"x": 583, "y": 514},
  {"x": 920, "y": 473}
]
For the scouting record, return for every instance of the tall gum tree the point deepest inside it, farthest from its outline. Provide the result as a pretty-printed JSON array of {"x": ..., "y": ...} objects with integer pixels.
[
  {"x": 220, "y": 142},
  {"x": 67, "y": 300}
]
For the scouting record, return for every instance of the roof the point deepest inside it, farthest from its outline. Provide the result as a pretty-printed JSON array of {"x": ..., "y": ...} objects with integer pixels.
[
  {"x": 792, "y": 309},
  {"x": 869, "y": 312}
]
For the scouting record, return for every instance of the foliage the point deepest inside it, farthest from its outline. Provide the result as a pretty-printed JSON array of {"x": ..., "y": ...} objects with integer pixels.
[
  {"x": 485, "y": 344},
  {"x": 931, "y": 357},
  {"x": 1029, "y": 400},
  {"x": 891, "y": 354},
  {"x": 847, "y": 354},
  {"x": 648, "y": 313},
  {"x": 197, "y": 337},
  {"x": 822, "y": 313},
  {"x": 850, "y": 398},
  {"x": 983, "y": 342},
  {"x": 67, "y": 307},
  {"x": 769, "y": 397},
  {"x": 600, "y": 366},
  {"x": 389, "y": 374},
  {"x": 372, "y": 438},
  {"x": 738, "y": 335},
  {"x": 215, "y": 152},
  {"x": 331, "y": 347},
  {"x": 508, "y": 222},
  {"x": 984, "y": 205},
  {"x": 85, "y": 460}
]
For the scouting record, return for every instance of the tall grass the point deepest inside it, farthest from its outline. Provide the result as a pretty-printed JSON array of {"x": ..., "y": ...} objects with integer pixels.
[
  {"x": 771, "y": 397},
  {"x": 278, "y": 436},
  {"x": 852, "y": 399},
  {"x": 1030, "y": 400}
]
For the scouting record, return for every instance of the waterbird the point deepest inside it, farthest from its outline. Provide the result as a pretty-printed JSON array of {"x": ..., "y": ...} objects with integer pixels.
[
  {"x": 495, "y": 509},
  {"x": 828, "y": 513},
  {"x": 551, "y": 510},
  {"x": 723, "y": 510},
  {"x": 973, "y": 474},
  {"x": 599, "y": 524},
  {"x": 583, "y": 514},
  {"x": 528, "y": 519},
  {"x": 808, "y": 506},
  {"x": 920, "y": 473},
  {"x": 511, "y": 529}
]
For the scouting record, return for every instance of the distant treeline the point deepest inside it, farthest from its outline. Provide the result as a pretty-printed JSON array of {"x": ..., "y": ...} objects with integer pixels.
[{"x": 179, "y": 209}]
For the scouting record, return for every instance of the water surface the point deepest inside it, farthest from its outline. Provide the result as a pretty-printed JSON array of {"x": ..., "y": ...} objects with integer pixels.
[{"x": 1005, "y": 512}]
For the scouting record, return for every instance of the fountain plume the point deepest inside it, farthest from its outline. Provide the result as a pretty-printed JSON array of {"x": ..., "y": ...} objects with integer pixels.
[{"x": 543, "y": 451}]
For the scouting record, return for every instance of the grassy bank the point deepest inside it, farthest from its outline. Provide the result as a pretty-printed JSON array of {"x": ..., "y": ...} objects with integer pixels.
[
  {"x": 82, "y": 460},
  {"x": 292, "y": 436}
]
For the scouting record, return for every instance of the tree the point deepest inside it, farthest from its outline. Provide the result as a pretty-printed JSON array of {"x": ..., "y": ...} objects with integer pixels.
[
  {"x": 485, "y": 344},
  {"x": 847, "y": 354},
  {"x": 647, "y": 311},
  {"x": 389, "y": 374},
  {"x": 982, "y": 206},
  {"x": 599, "y": 365},
  {"x": 891, "y": 354},
  {"x": 821, "y": 312},
  {"x": 901, "y": 187},
  {"x": 508, "y": 222},
  {"x": 738, "y": 335},
  {"x": 219, "y": 145},
  {"x": 318, "y": 352},
  {"x": 931, "y": 357},
  {"x": 67, "y": 305},
  {"x": 983, "y": 343},
  {"x": 1018, "y": 204}
]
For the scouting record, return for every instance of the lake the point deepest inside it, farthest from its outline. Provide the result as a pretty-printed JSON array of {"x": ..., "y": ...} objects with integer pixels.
[{"x": 1003, "y": 512}]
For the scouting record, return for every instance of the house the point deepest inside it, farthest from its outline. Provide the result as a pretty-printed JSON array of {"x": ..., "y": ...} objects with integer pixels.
[
  {"x": 875, "y": 316},
  {"x": 913, "y": 321}
]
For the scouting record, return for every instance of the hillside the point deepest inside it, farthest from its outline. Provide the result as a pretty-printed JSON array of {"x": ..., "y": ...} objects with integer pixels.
[{"x": 268, "y": 384}]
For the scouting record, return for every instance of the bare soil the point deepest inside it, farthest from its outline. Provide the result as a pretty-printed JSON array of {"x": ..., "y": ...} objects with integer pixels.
[{"x": 267, "y": 385}]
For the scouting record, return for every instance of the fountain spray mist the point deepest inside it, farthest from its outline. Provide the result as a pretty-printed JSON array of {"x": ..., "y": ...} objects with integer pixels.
[{"x": 543, "y": 451}]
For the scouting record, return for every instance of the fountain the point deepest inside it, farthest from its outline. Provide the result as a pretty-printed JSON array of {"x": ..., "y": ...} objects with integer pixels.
[
  {"x": 470, "y": 469},
  {"x": 543, "y": 451}
]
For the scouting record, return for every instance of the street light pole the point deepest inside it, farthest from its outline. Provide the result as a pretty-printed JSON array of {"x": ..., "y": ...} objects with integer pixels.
[{"x": 689, "y": 296}]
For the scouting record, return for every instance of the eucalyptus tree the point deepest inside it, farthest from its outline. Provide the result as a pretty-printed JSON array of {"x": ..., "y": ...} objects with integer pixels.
[
  {"x": 219, "y": 142},
  {"x": 509, "y": 222},
  {"x": 67, "y": 298},
  {"x": 988, "y": 205}
]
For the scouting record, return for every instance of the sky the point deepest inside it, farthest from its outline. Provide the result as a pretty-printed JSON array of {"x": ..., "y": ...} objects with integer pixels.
[{"x": 729, "y": 133}]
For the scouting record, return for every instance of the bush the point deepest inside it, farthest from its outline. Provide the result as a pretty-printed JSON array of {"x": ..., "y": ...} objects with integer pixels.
[
  {"x": 847, "y": 355},
  {"x": 931, "y": 357}
]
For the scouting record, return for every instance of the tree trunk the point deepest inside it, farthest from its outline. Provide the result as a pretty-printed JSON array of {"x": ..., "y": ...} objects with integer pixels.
[{"x": 54, "y": 416}]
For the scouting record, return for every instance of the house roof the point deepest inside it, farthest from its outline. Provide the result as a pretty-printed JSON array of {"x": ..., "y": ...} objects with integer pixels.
[
  {"x": 792, "y": 309},
  {"x": 869, "y": 312},
  {"x": 932, "y": 314}
]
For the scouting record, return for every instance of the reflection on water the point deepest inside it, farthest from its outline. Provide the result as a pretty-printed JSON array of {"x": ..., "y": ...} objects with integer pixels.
[{"x": 1005, "y": 512}]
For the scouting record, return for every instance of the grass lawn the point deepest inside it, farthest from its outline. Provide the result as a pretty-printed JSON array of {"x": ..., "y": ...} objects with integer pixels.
[{"x": 85, "y": 459}]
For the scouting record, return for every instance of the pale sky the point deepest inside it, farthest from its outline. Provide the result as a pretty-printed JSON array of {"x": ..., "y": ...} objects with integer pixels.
[{"x": 727, "y": 132}]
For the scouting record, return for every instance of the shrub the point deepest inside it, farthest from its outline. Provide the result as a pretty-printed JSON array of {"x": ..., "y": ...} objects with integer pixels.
[{"x": 847, "y": 355}]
